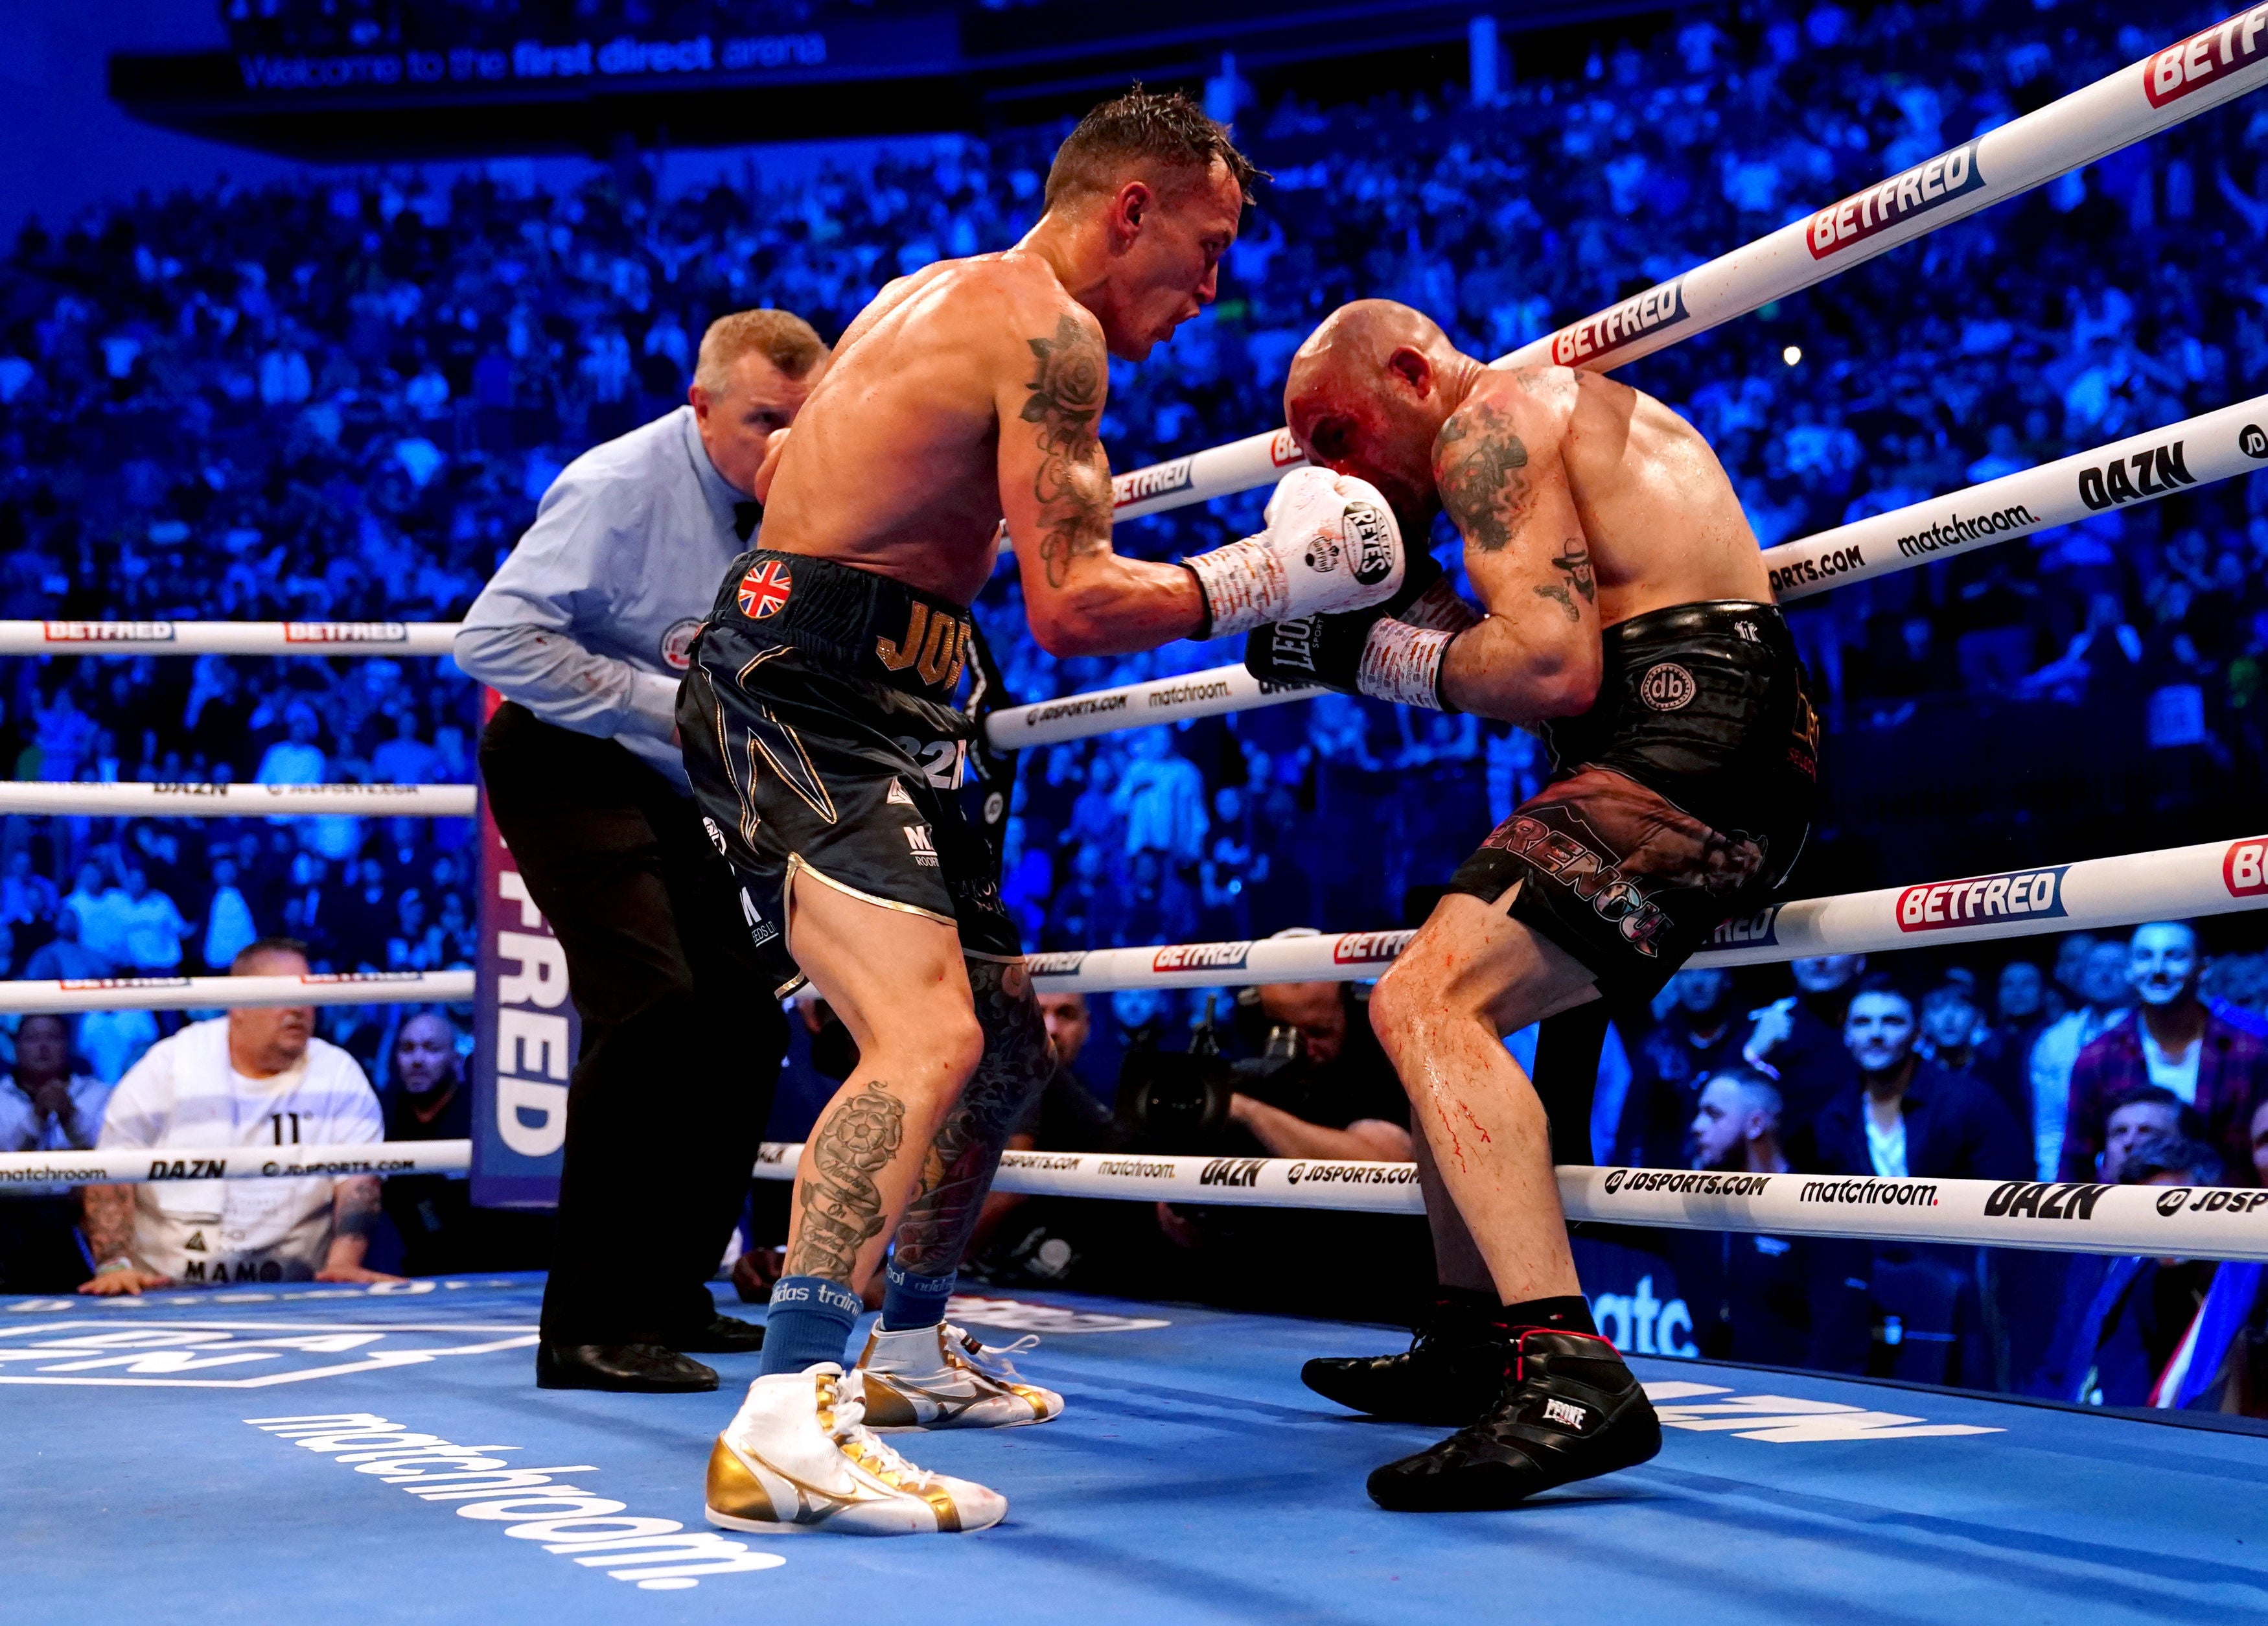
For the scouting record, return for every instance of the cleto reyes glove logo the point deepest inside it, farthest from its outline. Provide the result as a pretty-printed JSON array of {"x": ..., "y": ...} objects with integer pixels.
[{"x": 1370, "y": 531}]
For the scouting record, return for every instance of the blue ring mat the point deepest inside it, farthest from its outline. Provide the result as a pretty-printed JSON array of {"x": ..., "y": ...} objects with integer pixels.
[{"x": 1191, "y": 1479}]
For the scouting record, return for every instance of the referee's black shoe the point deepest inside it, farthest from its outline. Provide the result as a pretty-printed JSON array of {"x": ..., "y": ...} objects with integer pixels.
[
  {"x": 1571, "y": 1411},
  {"x": 623, "y": 1368},
  {"x": 721, "y": 1334},
  {"x": 1452, "y": 1370}
]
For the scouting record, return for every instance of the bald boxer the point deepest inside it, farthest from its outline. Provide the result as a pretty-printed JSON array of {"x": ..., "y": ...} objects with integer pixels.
[
  {"x": 824, "y": 740},
  {"x": 1628, "y": 620}
]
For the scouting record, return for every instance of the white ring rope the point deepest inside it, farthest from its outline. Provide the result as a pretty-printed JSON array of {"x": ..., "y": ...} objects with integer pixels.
[
  {"x": 226, "y": 637},
  {"x": 2193, "y": 454},
  {"x": 2164, "y": 89},
  {"x": 1209, "y": 692},
  {"x": 2218, "y": 1222},
  {"x": 2225, "y": 1222},
  {"x": 2214, "y": 878},
  {"x": 238, "y": 801},
  {"x": 235, "y": 993},
  {"x": 2197, "y": 451},
  {"x": 143, "y": 1165}
]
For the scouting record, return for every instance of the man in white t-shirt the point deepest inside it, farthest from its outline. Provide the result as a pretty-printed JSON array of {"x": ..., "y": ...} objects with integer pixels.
[
  {"x": 153, "y": 927},
  {"x": 255, "y": 1077}
]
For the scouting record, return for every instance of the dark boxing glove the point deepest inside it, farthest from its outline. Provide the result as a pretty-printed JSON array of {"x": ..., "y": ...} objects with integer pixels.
[{"x": 1381, "y": 651}]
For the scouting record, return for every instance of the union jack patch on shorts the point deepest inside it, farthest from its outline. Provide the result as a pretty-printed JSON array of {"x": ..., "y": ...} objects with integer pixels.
[{"x": 765, "y": 589}]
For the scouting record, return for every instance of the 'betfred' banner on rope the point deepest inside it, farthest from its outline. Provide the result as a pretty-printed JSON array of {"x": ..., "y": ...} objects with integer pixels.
[{"x": 2207, "y": 58}]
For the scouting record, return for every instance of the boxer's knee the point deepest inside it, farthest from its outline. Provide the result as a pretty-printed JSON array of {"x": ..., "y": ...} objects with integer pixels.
[{"x": 1400, "y": 1007}]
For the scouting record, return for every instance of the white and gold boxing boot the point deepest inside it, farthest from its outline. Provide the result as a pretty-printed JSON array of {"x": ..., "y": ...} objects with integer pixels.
[
  {"x": 799, "y": 1456},
  {"x": 939, "y": 1377}
]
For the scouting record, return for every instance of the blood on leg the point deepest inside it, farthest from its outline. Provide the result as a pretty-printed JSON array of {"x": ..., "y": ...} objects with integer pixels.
[{"x": 1470, "y": 976}]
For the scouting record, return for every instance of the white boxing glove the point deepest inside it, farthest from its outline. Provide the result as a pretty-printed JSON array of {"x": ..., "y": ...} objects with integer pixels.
[
  {"x": 1331, "y": 544},
  {"x": 1305, "y": 480}
]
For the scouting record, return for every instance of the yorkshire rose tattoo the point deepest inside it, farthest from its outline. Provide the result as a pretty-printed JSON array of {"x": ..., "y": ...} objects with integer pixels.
[{"x": 841, "y": 1205}]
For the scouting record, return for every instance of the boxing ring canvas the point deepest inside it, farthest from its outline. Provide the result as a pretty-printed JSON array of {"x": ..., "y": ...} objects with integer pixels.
[{"x": 1191, "y": 1479}]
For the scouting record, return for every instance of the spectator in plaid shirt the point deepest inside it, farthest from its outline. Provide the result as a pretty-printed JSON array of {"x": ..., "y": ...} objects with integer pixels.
[{"x": 2211, "y": 1055}]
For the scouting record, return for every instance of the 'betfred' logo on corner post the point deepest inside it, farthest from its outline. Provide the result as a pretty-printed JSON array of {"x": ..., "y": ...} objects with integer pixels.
[
  {"x": 345, "y": 632},
  {"x": 2205, "y": 58},
  {"x": 1923, "y": 187},
  {"x": 2244, "y": 867},
  {"x": 2023, "y": 895},
  {"x": 1201, "y": 957},
  {"x": 106, "y": 631},
  {"x": 1623, "y": 325},
  {"x": 1283, "y": 451},
  {"x": 1369, "y": 948},
  {"x": 1141, "y": 484},
  {"x": 1760, "y": 928}
]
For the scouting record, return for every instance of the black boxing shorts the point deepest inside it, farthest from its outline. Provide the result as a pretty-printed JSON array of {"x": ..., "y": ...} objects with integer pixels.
[
  {"x": 1677, "y": 802},
  {"x": 823, "y": 737}
]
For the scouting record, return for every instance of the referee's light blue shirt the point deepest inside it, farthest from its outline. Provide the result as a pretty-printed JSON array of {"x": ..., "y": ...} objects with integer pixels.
[{"x": 588, "y": 623}]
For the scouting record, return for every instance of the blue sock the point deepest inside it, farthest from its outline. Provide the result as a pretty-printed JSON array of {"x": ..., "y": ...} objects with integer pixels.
[
  {"x": 809, "y": 1322},
  {"x": 911, "y": 1299}
]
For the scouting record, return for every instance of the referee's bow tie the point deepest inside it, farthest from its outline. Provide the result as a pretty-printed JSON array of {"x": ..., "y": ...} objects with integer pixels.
[{"x": 746, "y": 518}]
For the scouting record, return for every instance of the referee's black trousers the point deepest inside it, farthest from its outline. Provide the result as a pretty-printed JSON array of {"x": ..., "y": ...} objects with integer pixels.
[{"x": 681, "y": 1041}]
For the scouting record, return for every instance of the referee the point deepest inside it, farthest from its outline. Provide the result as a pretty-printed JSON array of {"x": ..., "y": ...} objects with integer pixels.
[{"x": 585, "y": 632}]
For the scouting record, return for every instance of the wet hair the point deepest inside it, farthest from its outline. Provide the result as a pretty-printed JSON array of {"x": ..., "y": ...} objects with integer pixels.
[
  {"x": 781, "y": 337},
  {"x": 1142, "y": 130}
]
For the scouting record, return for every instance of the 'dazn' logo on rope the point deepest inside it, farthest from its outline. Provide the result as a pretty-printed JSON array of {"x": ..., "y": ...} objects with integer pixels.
[{"x": 765, "y": 589}]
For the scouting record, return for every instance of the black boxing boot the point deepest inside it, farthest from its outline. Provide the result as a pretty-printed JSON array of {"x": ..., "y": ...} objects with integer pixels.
[
  {"x": 1452, "y": 1370},
  {"x": 1572, "y": 1410}
]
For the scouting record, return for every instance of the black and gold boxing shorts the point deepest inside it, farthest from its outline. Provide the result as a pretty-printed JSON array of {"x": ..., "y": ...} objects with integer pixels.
[{"x": 821, "y": 737}]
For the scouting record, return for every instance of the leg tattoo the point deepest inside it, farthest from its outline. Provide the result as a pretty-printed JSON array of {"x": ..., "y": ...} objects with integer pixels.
[
  {"x": 958, "y": 1172},
  {"x": 841, "y": 1205}
]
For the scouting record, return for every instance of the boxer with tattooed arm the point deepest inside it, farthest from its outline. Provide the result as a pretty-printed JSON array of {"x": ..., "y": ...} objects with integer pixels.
[
  {"x": 823, "y": 739},
  {"x": 1628, "y": 618}
]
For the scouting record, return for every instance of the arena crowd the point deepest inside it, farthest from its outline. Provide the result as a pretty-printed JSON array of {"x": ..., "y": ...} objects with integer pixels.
[{"x": 340, "y": 398}]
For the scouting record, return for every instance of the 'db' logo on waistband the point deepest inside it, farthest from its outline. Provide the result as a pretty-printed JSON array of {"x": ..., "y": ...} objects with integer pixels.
[
  {"x": 1667, "y": 687},
  {"x": 765, "y": 589}
]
